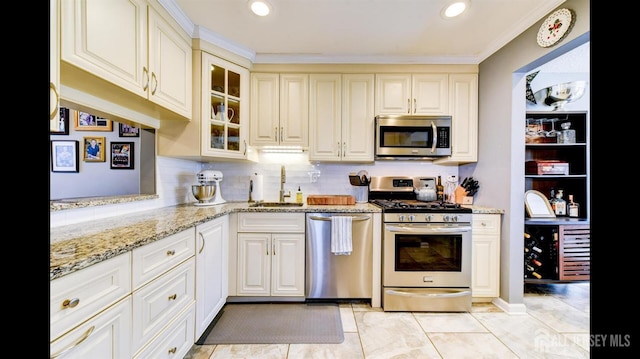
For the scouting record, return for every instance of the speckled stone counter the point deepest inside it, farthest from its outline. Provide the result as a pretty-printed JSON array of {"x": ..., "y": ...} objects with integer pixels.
[
  {"x": 77, "y": 246},
  {"x": 484, "y": 210}
]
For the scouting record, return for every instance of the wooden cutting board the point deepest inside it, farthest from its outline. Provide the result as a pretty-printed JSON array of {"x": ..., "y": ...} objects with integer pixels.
[{"x": 326, "y": 199}]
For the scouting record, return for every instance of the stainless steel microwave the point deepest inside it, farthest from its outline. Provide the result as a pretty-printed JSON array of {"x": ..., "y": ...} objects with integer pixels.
[{"x": 412, "y": 137}]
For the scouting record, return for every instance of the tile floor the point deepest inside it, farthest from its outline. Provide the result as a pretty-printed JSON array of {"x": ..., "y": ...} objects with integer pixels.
[{"x": 556, "y": 325}]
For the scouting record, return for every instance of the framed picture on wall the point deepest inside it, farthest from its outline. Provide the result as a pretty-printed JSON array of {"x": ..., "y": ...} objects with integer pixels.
[
  {"x": 128, "y": 131},
  {"x": 122, "y": 155},
  {"x": 93, "y": 149},
  {"x": 64, "y": 156},
  {"x": 62, "y": 125},
  {"x": 88, "y": 122}
]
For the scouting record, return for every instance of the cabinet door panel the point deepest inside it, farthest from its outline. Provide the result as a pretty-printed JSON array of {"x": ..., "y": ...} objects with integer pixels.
[
  {"x": 287, "y": 271},
  {"x": 325, "y": 117},
  {"x": 358, "y": 117},
  {"x": 294, "y": 110},
  {"x": 108, "y": 39},
  {"x": 265, "y": 109},
  {"x": 254, "y": 263},
  {"x": 170, "y": 66}
]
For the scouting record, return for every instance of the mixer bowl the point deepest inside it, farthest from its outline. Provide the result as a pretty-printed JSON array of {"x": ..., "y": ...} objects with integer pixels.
[{"x": 202, "y": 192}]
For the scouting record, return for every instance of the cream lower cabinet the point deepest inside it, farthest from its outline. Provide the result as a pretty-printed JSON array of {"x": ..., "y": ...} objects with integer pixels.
[
  {"x": 144, "y": 52},
  {"x": 341, "y": 117},
  {"x": 106, "y": 335},
  {"x": 271, "y": 254},
  {"x": 279, "y": 109},
  {"x": 485, "y": 267},
  {"x": 163, "y": 290},
  {"x": 90, "y": 311},
  {"x": 212, "y": 273}
]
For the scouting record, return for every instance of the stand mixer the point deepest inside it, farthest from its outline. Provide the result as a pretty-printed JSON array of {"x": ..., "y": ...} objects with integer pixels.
[{"x": 209, "y": 178}]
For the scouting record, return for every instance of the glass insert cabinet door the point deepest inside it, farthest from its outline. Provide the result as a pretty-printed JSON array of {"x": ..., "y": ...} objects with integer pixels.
[{"x": 226, "y": 112}]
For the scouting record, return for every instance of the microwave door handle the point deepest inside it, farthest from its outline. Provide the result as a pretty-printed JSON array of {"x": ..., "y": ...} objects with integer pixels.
[{"x": 435, "y": 136}]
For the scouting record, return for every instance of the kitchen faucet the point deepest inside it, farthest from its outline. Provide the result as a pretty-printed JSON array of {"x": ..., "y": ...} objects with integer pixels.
[{"x": 283, "y": 179}]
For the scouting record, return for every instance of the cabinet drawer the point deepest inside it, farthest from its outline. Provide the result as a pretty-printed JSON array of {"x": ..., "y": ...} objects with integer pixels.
[
  {"x": 175, "y": 341},
  {"x": 486, "y": 223},
  {"x": 105, "y": 335},
  {"x": 271, "y": 222},
  {"x": 80, "y": 295},
  {"x": 156, "y": 258},
  {"x": 157, "y": 303}
]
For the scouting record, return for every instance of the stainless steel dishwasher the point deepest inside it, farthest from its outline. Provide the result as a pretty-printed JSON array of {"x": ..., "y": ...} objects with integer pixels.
[{"x": 330, "y": 276}]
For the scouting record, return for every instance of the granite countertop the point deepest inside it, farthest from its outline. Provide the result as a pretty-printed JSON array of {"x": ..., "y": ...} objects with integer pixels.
[{"x": 77, "y": 246}]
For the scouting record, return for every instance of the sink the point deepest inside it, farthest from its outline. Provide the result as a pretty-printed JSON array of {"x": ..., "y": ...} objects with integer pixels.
[{"x": 276, "y": 204}]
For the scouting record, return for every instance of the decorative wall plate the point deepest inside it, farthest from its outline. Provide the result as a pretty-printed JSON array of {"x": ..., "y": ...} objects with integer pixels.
[{"x": 555, "y": 27}]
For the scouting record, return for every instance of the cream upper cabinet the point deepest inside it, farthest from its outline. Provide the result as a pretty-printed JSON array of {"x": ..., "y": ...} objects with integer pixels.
[
  {"x": 218, "y": 130},
  {"x": 463, "y": 100},
  {"x": 170, "y": 66},
  {"x": 224, "y": 90},
  {"x": 279, "y": 109},
  {"x": 485, "y": 259},
  {"x": 412, "y": 94},
  {"x": 54, "y": 65},
  {"x": 130, "y": 44},
  {"x": 341, "y": 117}
]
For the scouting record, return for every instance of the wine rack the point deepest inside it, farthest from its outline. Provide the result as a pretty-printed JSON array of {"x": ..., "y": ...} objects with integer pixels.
[{"x": 556, "y": 253}]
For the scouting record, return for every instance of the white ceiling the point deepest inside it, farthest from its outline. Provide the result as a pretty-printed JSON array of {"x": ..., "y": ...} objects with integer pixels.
[{"x": 363, "y": 31}]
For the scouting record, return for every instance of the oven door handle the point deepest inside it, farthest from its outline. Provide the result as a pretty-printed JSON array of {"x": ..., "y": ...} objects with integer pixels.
[
  {"x": 427, "y": 230},
  {"x": 462, "y": 293}
]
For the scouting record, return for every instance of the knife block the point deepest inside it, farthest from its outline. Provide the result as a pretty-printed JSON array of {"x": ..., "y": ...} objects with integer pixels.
[{"x": 461, "y": 196}]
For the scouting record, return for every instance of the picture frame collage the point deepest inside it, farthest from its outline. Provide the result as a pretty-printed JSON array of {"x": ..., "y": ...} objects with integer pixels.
[{"x": 65, "y": 154}]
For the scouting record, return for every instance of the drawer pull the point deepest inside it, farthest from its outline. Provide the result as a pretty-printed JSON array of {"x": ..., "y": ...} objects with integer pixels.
[
  {"x": 70, "y": 303},
  {"x": 73, "y": 345},
  {"x": 173, "y": 350},
  {"x": 201, "y": 248},
  {"x": 173, "y": 297},
  {"x": 171, "y": 252}
]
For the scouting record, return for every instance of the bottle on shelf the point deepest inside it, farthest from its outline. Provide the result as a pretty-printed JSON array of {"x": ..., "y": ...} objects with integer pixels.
[
  {"x": 572, "y": 207},
  {"x": 439, "y": 189},
  {"x": 552, "y": 199},
  {"x": 560, "y": 208}
]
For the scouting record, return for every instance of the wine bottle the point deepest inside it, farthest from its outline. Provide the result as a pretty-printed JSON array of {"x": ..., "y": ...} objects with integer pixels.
[{"x": 439, "y": 189}]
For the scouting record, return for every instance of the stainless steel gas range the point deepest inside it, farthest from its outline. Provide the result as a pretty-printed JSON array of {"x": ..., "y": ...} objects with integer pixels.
[{"x": 426, "y": 256}]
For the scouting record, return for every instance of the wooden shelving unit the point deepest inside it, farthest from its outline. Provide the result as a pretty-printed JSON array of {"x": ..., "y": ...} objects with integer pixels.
[{"x": 565, "y": 246}]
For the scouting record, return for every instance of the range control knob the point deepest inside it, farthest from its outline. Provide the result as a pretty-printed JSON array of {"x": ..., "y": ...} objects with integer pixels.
[
  {"x": 450, "y": 218},
  {"x": 412, "y": 218},
  {"x": 401, "y": 218},
  {"x": 428, "y": 218}
]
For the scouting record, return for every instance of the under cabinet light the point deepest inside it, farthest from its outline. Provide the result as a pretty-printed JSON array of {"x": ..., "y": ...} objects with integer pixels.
[{"x": 282, "y": 149}]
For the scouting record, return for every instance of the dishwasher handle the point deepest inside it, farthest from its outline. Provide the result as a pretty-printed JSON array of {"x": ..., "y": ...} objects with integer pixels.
[{"x": 353, "y": 218}]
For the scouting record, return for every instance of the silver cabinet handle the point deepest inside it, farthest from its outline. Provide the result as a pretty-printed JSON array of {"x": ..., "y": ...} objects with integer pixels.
[
  {"x": 146, "y": 74},
  {"x": 201, "y": 248},
  {"x": 409, "y": 106},
  {"x": 276, "y": 131},
  {"x": 55, "y": 91},
  {"x": 415, "y": 105},
  {"x": 353, "y": 218},
  {"x": 73, "y": 345},
  {"x": 70, "y": 303},
  {"x": 171, "y": 252},
  {"x": 155, "y": 83},
  {"x": 435, "y": 136}
]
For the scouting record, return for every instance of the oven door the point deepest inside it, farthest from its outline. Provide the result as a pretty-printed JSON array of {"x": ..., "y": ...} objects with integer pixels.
[
  {"x": 427, "y": 267},
  {"x": 427, "y": 255}
]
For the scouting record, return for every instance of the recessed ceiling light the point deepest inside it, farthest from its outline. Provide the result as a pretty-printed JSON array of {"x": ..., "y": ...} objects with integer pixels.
[
  {"x": 455, "y": 8},
  {"x": 260, "y": 7}
]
